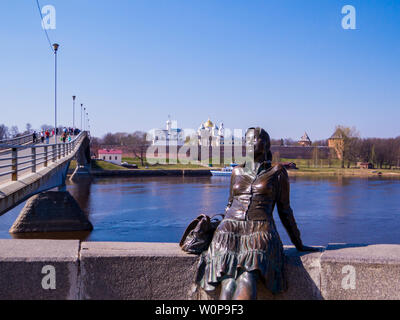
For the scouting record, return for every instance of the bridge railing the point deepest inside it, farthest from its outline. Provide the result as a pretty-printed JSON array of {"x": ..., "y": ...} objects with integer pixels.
[
  {"x": 18, "y": 140},
  {"x": 39, "y": 156}
]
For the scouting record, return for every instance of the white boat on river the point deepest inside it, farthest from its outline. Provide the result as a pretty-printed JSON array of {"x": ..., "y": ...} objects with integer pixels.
[{"x": 227, "y": 171}]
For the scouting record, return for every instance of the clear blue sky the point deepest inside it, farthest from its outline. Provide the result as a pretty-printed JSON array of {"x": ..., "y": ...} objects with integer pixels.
[{"x": 287, "y": 66}]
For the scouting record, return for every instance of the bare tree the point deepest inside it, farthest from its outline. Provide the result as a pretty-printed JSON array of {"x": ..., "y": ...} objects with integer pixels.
[
  {"x": 121, "y": 138},
  {"x": 276, "y": 142},
  {"x": 345, "y": 137},
  {"x": 28, "y": 128},
  {"x": 140, "y": 145},
  {"x": 45, "y": 127},
  {"x": 3, "y": 132},
  {"x": 14, "y": 131},
  {"x": 316, "y": 156},
  {"x": 276, "y": 157},
  {"x": 320, "y": 143},
  {"x": 331, "y": 155},
  {"x": 110, "y": 139},
  {"x": 290, "y": 142}
]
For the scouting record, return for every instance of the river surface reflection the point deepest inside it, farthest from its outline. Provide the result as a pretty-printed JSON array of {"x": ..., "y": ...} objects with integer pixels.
[{"x": 327, "y": 210}]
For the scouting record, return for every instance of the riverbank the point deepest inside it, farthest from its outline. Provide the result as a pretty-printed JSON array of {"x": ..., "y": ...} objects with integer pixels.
[
  {"x": 105, "y": 169},
  {"x": 359, "y": 173},
  {"x": 101, "y": 168},
  {"x": 151, "y": 173}
]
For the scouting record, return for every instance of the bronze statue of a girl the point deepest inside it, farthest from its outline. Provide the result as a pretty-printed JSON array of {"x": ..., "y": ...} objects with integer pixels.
[{"x": 246, "y": 245}]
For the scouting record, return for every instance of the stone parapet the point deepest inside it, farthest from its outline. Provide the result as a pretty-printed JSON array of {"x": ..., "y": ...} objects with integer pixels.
[
  {"x": 353, "y": 272},
  {"x": 27, "y": 268},
  {"x": 161, "y": 271}
]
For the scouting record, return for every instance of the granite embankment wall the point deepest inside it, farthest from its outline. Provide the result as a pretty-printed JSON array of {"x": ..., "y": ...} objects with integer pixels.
[
  {"x": 151, "y": 173},
  {"x": 57, "y": 269}
]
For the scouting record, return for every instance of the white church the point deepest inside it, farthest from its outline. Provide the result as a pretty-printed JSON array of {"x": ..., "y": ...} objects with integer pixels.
[
  {"x": 207, "y": 134},
  {"x": 210, "y": 134},
  {"x": 172, "y": 135}
]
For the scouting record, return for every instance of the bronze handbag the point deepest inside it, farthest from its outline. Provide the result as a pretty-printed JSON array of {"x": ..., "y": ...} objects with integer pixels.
[{"x": 199, "y": 233}]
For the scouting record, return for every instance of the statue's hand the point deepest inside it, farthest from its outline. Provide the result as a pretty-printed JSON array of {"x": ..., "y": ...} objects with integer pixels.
[{"x": 308, "y": 249}]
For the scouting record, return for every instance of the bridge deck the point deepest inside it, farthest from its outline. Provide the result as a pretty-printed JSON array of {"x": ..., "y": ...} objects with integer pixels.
[
  {"x": 34, "y": 174},
  {"x": 5, "y": 160}
]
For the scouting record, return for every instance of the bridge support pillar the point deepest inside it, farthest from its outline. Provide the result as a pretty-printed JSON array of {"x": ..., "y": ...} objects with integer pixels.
[{"x": 51, "y": 211}]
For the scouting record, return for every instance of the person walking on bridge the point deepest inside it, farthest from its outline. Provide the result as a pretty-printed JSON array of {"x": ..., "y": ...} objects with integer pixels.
[
  {"x": 42, "y": 136},
  {"x": 47, "y": 134},
  {"x": 64, "y": 137},
  {"x": 34, "y": 137}
]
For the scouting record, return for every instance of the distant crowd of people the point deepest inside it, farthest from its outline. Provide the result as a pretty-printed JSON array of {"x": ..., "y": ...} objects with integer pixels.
[{"x": 65, "y": 136}]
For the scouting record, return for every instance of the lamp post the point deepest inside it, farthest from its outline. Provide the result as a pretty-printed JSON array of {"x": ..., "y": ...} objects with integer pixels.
[
  {"x": 81, "y": 116},
  {"x": 55, "y": 46},
  {"x": 84, "y": 119},
  {"x": 73, "y": 112}
]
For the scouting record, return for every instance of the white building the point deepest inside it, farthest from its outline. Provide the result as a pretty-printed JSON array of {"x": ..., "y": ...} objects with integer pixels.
[
  {"x": 208, "y": 133},
  {"x": 172, "y": 135},
  {"x": 113, "y": 156}
]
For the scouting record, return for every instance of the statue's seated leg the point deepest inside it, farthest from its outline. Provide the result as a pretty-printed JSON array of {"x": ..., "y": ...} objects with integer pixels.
[
  {"x": 246, "y": 286},
  {"x": 228, "y": 287}
]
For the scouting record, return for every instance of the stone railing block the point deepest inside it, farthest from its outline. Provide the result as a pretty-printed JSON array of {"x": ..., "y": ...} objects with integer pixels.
[
  {"x": 367, "y": 272},
  {"x": 139, "y": 271},
  {"x": 22, "y": 274}
]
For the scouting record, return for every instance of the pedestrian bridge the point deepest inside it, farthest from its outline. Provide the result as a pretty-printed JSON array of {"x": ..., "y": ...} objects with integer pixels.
[{"x": 27, "y": 169}]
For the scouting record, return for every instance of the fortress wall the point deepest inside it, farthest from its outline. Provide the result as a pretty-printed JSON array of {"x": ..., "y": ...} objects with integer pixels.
[
  {"x": 290, "y": 152},
  {"x": 158, "y": 271},
  {"x": 300, "y": 152}
]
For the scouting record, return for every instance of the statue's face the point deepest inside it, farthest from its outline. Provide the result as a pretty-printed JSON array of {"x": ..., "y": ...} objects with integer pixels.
[{"x": 254, "y": 143}]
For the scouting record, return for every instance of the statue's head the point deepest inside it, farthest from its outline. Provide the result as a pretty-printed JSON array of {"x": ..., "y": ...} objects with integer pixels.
[{"x": 258, "y": 143}]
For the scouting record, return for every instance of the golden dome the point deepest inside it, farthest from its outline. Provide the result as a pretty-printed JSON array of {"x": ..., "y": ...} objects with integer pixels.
[{"x": 209, "y": 124}]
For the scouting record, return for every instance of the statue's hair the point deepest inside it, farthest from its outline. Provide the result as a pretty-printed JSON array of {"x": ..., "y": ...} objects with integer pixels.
[{"x": 265, "y": 136}]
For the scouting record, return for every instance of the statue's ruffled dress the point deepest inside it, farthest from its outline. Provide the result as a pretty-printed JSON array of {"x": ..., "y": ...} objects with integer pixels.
[{"x": 247, "y": 239}]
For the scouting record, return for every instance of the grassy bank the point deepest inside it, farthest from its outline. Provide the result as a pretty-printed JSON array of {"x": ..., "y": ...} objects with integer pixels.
[
  {"x": 333, "y": 168},
  {"x": 99, "y": 165},
  {"x": 104, "y": 165},
  {"x": 161, "y": 166}
]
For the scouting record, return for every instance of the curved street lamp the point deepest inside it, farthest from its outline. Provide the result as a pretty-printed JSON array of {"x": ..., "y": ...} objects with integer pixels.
[
  {"x": 55, "y": 46},
  {"x": 81, "y": 116},
  {"x": 73, "y": 112}
]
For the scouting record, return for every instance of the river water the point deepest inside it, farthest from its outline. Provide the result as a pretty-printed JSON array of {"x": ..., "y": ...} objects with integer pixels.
[{"x": 327, "y": 210}]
